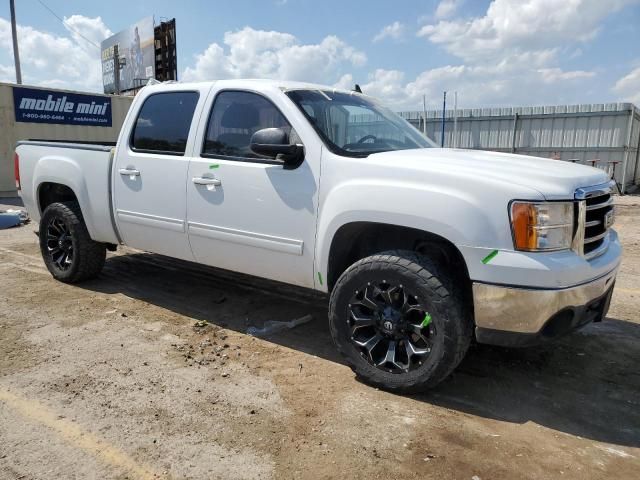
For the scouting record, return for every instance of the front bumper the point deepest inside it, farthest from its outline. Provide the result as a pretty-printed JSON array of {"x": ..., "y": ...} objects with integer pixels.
[{"x": 515, "y": 316}]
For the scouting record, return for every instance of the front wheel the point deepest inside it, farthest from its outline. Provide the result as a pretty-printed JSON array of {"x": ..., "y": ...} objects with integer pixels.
[
  {"x": 400, "y": 322},
  {"x": 67, "y": 249}
]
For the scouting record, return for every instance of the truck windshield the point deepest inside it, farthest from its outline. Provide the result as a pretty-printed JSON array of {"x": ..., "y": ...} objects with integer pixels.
[{"x": 354, "y": 125}]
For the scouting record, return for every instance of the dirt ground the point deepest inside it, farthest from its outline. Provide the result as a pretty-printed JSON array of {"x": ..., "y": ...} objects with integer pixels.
[{"x": 147, "y": 372}]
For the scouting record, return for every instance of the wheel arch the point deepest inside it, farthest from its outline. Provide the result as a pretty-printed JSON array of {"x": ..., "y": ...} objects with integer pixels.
[
  {"x": 50, "y": 191},
  {"x": 356, "y": 240},
  {"x": 53, "y": 192}
]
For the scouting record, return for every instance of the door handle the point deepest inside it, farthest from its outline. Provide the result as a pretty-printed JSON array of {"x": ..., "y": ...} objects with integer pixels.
[
  {"x": 207, "y": 181},
  {"x": 132, "y": 172}
]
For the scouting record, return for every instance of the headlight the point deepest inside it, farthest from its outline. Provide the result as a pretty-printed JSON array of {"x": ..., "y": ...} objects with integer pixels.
[{"x": 542, "y": 226}]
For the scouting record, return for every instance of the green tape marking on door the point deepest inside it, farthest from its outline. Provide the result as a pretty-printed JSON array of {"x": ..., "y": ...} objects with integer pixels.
[
  {"x": 214, "y": 165},
  {"x": 320, "y": 278},
  {"x": 426, "y": 321},
  {"x": 490, "y": 257}
]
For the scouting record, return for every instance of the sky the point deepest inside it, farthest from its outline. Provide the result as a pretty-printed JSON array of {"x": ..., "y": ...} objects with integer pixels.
[{"x": 493, "y": 53}]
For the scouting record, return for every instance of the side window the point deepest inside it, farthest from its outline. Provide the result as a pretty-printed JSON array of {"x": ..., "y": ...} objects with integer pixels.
[
  {"x": 163, "y": 123},
  {"x": 235, "y": 117}
]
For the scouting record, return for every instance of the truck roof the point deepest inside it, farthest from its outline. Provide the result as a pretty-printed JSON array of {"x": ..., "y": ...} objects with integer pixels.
[{"x": 248, "y": 83}]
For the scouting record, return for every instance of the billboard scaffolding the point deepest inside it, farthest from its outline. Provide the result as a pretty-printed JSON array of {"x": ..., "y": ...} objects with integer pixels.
[{"x": 166, "y": 57}]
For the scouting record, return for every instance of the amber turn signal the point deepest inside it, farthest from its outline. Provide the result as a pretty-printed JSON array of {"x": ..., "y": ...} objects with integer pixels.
[{"x": 524, "y": 218}]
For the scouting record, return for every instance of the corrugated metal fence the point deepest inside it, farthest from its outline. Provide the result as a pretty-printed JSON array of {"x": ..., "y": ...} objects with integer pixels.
[{"x": 603, "y": 135}]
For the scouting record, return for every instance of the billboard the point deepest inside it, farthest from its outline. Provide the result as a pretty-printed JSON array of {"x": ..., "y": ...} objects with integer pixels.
[
  {"x": 49, "y": 106},
  {"x": 136, "y": 45}
]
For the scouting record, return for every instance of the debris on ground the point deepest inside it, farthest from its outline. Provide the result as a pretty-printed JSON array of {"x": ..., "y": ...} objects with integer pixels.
[
  {"x": 274, "y": 326},
  {"x": 13, "y": 218}
]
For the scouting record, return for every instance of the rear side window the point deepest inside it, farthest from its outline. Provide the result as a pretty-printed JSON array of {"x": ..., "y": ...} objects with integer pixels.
[
  {"x": 163, "y": 123},
  {"x": 235, "y": 117}
]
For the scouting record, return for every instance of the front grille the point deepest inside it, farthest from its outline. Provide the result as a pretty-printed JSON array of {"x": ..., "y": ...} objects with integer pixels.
[
  {"x": 597, "y": 209},
  {"x": 596, "y": 227}
]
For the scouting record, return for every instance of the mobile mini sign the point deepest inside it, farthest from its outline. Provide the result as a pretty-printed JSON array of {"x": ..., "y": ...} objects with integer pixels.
[{"x": 45, "y": 106}]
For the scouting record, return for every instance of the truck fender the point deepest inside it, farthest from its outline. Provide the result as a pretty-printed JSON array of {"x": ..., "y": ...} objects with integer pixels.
[
  {"x": 65, "y": 171},
  {"x": 450, "y": 213}
]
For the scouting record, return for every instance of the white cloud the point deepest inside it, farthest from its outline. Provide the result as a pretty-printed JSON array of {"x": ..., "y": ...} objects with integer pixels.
[
  {"x": 270, "y": 54},
  {"x": 517, "y": 25},
  {"x": 7, "y": 74},
  {"x": 92, "y": 29},
  {"x": 628, "y": 87},
  {"x": 446, "y": 8},
  {"x": 553, "y": 75},
  {"x": 518, "y": 80},
  {"x": 389, "y": 86},
  {"x": 52, "y": 60},
  {"x": 346, "y": 82},
  {"x": 394, "y": 31}
]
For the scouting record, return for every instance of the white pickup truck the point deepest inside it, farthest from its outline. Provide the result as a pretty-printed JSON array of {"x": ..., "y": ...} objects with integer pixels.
[{"x": 419, "y": 248}]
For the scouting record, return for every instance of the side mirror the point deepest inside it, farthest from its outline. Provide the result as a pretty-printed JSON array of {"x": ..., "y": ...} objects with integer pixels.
[{"x": 274, "y": 143}]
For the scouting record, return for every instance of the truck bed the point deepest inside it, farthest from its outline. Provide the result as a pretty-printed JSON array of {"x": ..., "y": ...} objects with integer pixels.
[{"x": 84, "y": 167}]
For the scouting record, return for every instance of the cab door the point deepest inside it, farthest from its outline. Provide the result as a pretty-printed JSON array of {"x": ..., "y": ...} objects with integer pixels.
[
  {"x": 151, "y": 173},
  {"x": 249, "y": 213}
]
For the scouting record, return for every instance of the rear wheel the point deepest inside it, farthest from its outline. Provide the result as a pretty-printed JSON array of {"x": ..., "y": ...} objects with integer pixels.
[
  {"x": 67, "y": 249},
  {"x": 399, "y": 321}
]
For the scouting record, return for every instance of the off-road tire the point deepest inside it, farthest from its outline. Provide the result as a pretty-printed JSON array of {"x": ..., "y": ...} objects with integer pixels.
[
  {"x": 88, "y": 255},
  {"x": 451, "y": 314}
]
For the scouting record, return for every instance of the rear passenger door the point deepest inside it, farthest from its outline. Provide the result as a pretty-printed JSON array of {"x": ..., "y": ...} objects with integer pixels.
[{"x": 151, "y": 172}]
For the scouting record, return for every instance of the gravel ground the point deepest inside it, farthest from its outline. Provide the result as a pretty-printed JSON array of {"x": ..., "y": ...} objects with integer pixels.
[{"x": 147, "y": 372}]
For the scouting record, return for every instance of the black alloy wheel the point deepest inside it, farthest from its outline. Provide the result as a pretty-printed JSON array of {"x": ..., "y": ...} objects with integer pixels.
[
  {"x": 59, "y": 243},
  {"x": 68, "y": 251},
  {"x": 390, "y": 326}
]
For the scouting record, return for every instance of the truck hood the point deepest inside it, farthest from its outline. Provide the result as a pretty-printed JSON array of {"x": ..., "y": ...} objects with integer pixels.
[{"x": 553, "y": 179}]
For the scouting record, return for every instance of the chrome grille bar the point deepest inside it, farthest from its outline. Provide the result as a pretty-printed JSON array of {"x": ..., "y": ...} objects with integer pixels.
[
  {"x": 596, "y": 238},
  {"x": 600, "y": 205},
  {"x": 595, "y": 206}
]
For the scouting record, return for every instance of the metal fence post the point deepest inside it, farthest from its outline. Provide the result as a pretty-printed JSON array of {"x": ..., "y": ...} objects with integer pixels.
[
  {"x": 444, "y": 110},
  {"x": 455, "y": 120},
  {"x": 514, "y": 133},
  {"x": 635, "y": 169},
  {"x": 627, "y": 150},
  {"x": 424, "y": 114}
]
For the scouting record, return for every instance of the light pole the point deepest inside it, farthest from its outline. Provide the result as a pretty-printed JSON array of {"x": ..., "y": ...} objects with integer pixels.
[{"x": 14, "y": 34}]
